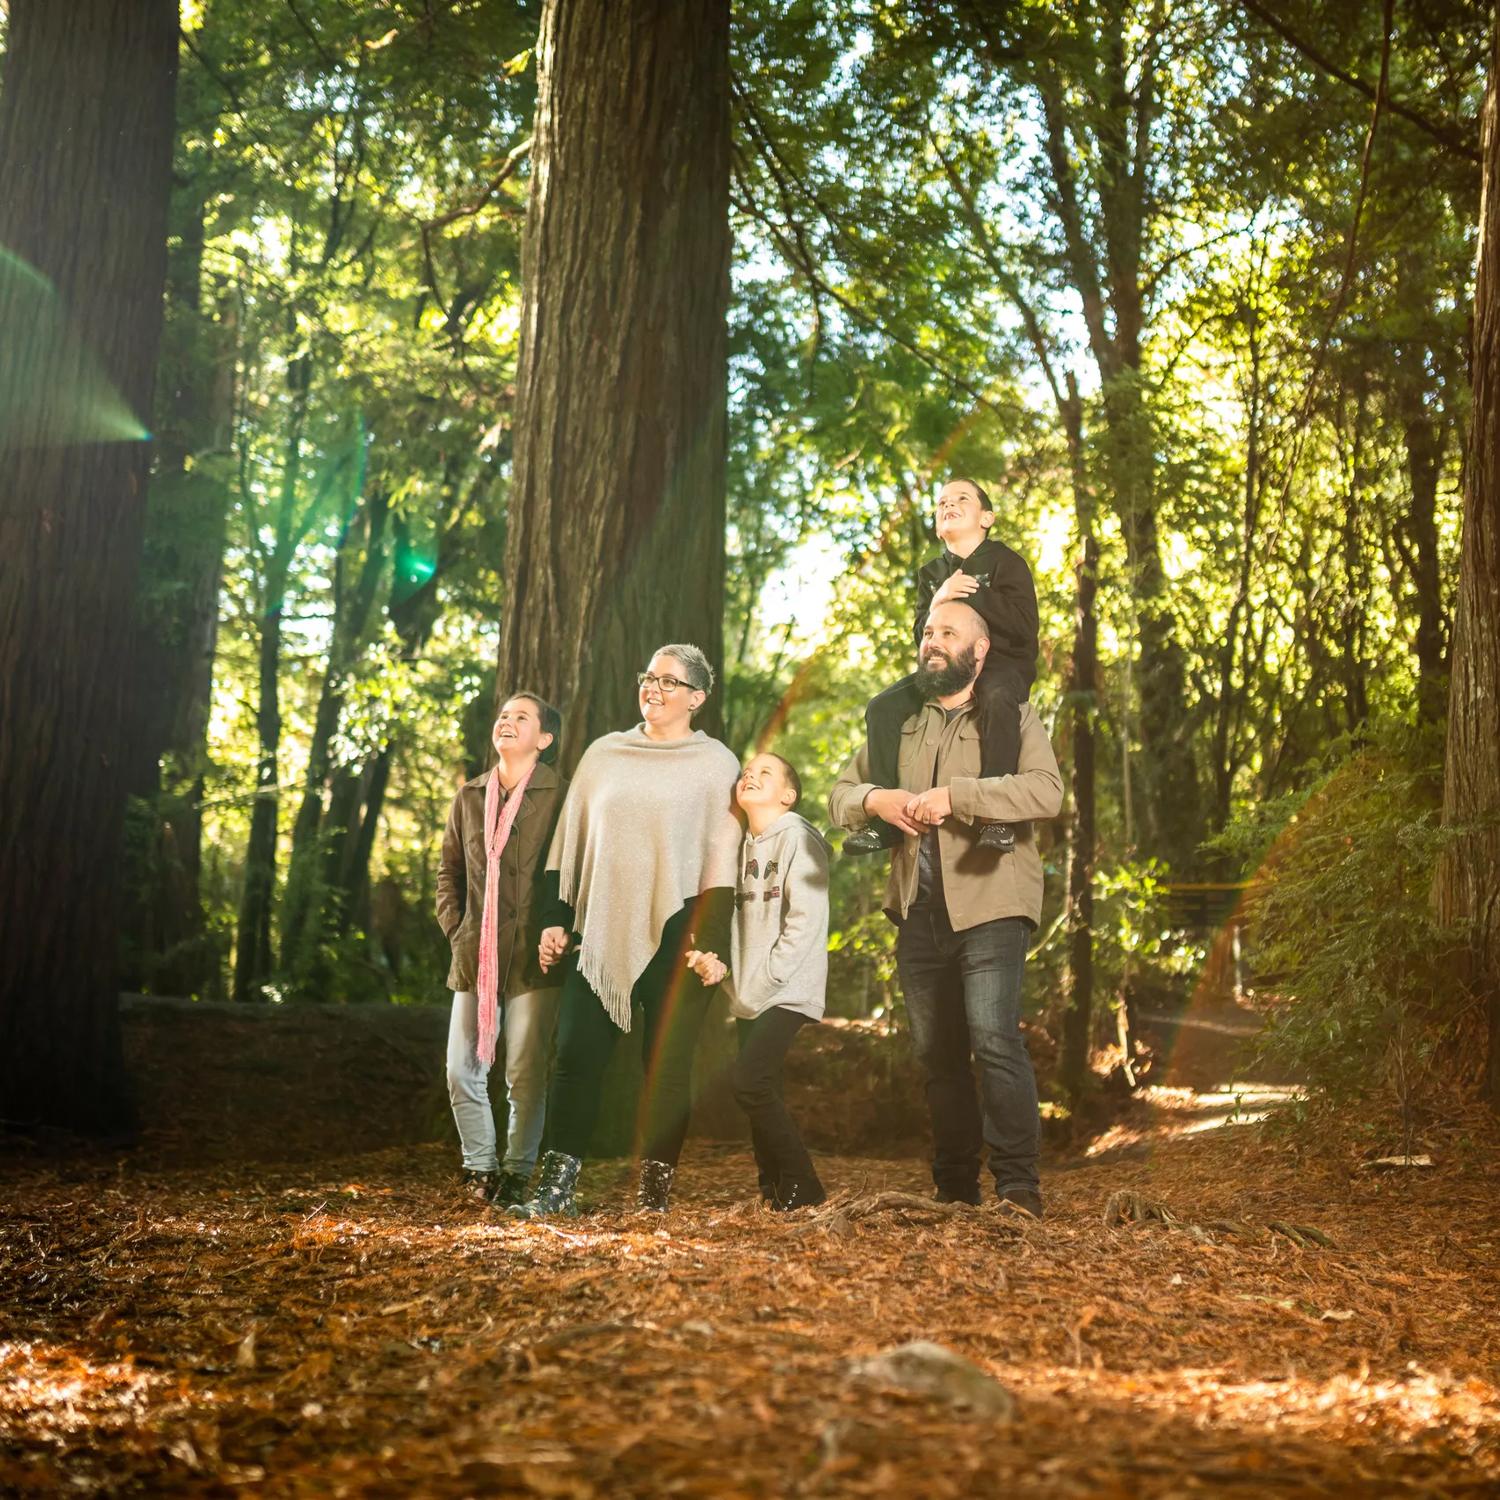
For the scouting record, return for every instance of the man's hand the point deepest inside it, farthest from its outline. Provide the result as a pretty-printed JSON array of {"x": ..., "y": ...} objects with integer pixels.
[
  {"x": 553, "y": 945},
  {"x": 891, "y": 804},
  {"x": 931, "y": 807},
  {"x": 709, "y": 967},
  {"x": 956, "y": 586}
]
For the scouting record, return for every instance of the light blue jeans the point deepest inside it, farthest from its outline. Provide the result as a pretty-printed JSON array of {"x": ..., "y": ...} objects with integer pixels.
[{"x": 527, "y": 1024}]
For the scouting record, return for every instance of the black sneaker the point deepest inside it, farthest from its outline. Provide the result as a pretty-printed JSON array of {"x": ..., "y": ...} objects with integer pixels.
[
  {"x": 1022, "y": 1201},
  {"x": 511, "y": 1188},
  {"x": 998, "y": 836},
  {"x": 969, "y": 1195},
  {"x": 477, "y": 1185},
  {"x": 875, "y": 839}
]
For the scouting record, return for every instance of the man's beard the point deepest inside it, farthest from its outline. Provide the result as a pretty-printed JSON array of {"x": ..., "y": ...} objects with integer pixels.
[{"x": 956, "y": 675}]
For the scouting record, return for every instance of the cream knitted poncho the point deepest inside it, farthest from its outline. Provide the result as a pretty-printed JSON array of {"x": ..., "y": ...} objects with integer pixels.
[{"x": 645, "y": 828}]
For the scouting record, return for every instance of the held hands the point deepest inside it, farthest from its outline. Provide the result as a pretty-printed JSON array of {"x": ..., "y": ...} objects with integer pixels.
[
  {"x": 910, "y": 814},
  {"x": 957, "y": 586},
  {"x": 709, "y": 967},
  {"x": 932, "y": 806},
  {"x": 553, "y": 945}
]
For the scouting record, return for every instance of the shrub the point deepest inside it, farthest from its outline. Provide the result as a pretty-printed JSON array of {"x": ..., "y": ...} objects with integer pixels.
[{"x": 1355, "y": 976}]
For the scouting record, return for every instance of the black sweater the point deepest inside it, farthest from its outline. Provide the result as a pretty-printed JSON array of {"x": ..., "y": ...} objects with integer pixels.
[{"x": 1006, "y": 597}]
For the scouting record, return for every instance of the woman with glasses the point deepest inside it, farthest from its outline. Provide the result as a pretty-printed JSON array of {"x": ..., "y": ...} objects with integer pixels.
[{"x": 645, "y": 858}]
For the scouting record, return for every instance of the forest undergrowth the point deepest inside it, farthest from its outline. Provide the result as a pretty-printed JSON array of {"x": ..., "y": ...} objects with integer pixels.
[{"x": 1207, "y": 1308}]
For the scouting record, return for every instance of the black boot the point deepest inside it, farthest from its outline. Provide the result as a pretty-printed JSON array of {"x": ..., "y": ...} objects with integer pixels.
[
  {"x": 998, "y": 836},
  {"x": 655, "y": 1190},
  {"x": 553, "y": 1197}
]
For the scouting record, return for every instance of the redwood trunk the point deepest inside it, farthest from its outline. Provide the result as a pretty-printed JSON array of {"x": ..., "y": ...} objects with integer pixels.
[
  {"x": 86, "y": 117},
  {"x": 616, "y": 526},
  {"x": 1468, "y": 884}
]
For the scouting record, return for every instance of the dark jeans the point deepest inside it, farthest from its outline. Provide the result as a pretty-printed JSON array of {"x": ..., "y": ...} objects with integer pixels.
[
  {"x": 668, "y": 1005},
  {"x": 785, "y": 1169},
  {"x": 963, "y": 996},
  {"x": 998, "y": 693}
]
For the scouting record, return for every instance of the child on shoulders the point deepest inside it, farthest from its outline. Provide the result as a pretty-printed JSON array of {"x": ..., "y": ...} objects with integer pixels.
[{"x": 977, "y": 569}]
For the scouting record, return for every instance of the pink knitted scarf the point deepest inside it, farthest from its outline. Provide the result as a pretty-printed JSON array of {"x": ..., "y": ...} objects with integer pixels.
[{"x": 498, "y": 822}]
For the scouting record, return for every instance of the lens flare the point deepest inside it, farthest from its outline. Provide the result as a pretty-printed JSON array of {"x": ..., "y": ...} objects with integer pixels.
[{"x": 53, "y": 389}]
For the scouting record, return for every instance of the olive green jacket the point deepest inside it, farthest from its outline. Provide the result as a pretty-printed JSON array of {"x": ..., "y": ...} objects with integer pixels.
[
  {"x": 460, "y": 883},
  {"x": 979, "y": 885}
]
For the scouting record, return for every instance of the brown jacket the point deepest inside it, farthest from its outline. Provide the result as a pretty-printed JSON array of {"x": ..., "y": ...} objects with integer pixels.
[
  {"x": 460, "y": 883},
  {"x": 979, "y": 885}
]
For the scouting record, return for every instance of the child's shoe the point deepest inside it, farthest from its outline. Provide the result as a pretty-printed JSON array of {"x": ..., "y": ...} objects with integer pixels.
[
  {"x": 798, "y": 1195},
  {"x": 997, "y": 836},
  {"x": 878, "y": 837}
]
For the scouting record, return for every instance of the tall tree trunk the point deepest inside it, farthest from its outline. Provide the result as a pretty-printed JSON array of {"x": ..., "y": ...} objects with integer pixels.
[
  {"x": 253, "y": 953},
  {"x": 178, "y": 620},
  {"x": 1468, "y": 882},
  {"x": 1114, "y": 130},
  {"x": 86, "y": 117},
  {"x": 615, "y": 539}
]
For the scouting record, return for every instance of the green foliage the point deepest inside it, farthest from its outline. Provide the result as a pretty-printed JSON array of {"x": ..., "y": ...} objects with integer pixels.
[{"x": 1354, "y": 973}]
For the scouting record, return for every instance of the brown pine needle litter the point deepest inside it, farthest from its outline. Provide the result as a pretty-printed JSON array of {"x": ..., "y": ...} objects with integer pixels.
[{"x": 1213, "y": 1316}]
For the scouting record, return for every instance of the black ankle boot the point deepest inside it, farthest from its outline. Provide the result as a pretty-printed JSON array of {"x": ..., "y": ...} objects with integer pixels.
[
  {"x": 511, "y": 1189},
  {"x": 553, "y": 1197},
  {"x": 655, "y": 1191}
]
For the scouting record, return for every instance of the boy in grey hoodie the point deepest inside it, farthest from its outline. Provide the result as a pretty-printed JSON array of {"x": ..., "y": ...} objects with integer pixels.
[{"x": 779, "y": 967}]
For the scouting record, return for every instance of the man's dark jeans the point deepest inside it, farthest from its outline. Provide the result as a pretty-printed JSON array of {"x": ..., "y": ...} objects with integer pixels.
[{"x": 963, "y": 997}]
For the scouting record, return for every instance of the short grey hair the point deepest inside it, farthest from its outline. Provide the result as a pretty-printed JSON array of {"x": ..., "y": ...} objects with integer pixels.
[{"x": 694, "y": 662}]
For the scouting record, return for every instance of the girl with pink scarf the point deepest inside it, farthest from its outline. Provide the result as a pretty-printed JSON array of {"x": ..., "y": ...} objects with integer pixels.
[{"x": 499, "y": 828}]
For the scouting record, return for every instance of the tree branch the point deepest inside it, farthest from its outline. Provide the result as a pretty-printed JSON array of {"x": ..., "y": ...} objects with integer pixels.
[{"x": 1445, "y": 135}]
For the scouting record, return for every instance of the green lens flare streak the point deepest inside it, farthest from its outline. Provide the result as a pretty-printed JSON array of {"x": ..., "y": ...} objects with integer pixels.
[{"x": 53, "y": 389}]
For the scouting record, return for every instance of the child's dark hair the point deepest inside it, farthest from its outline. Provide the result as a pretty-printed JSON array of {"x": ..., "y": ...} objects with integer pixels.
[
  {"x": 551, "y": 722},
  {"x": 793, "y": 780}
]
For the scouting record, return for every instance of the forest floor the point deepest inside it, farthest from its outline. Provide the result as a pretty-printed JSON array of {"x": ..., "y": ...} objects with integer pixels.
[{"x": 338, "y": 1321}]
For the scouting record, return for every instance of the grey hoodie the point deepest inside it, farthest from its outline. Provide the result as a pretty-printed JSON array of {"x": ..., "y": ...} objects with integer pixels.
[{"x": 779, "y": 947}]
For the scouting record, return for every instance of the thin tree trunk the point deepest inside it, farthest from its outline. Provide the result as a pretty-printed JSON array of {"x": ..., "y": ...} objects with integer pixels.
[
  {"x": 1083, "y": 692},
  {"x": 616, "y": 525},
  {"x": 86, "y": 117},
  {"x": 253, "y": 949},
  {"x": 1417, "y": 534},
  {"x": 306, "y": 893},
  {"x": 1468, "y": 881}
]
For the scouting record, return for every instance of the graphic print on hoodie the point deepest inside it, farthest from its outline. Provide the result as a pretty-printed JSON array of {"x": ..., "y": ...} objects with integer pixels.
[{"x": 779, "y": 944}]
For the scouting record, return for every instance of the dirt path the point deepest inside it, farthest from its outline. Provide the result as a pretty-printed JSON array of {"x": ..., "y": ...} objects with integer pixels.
[{"x": 348, "y": 1328}]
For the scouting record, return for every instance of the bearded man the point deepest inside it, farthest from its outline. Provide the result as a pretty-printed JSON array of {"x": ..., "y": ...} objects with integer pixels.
[{"x": 965, "y": 912}]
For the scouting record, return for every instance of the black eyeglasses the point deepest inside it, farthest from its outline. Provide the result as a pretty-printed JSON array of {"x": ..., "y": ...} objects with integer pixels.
[{"x": 666, "y": 684}]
